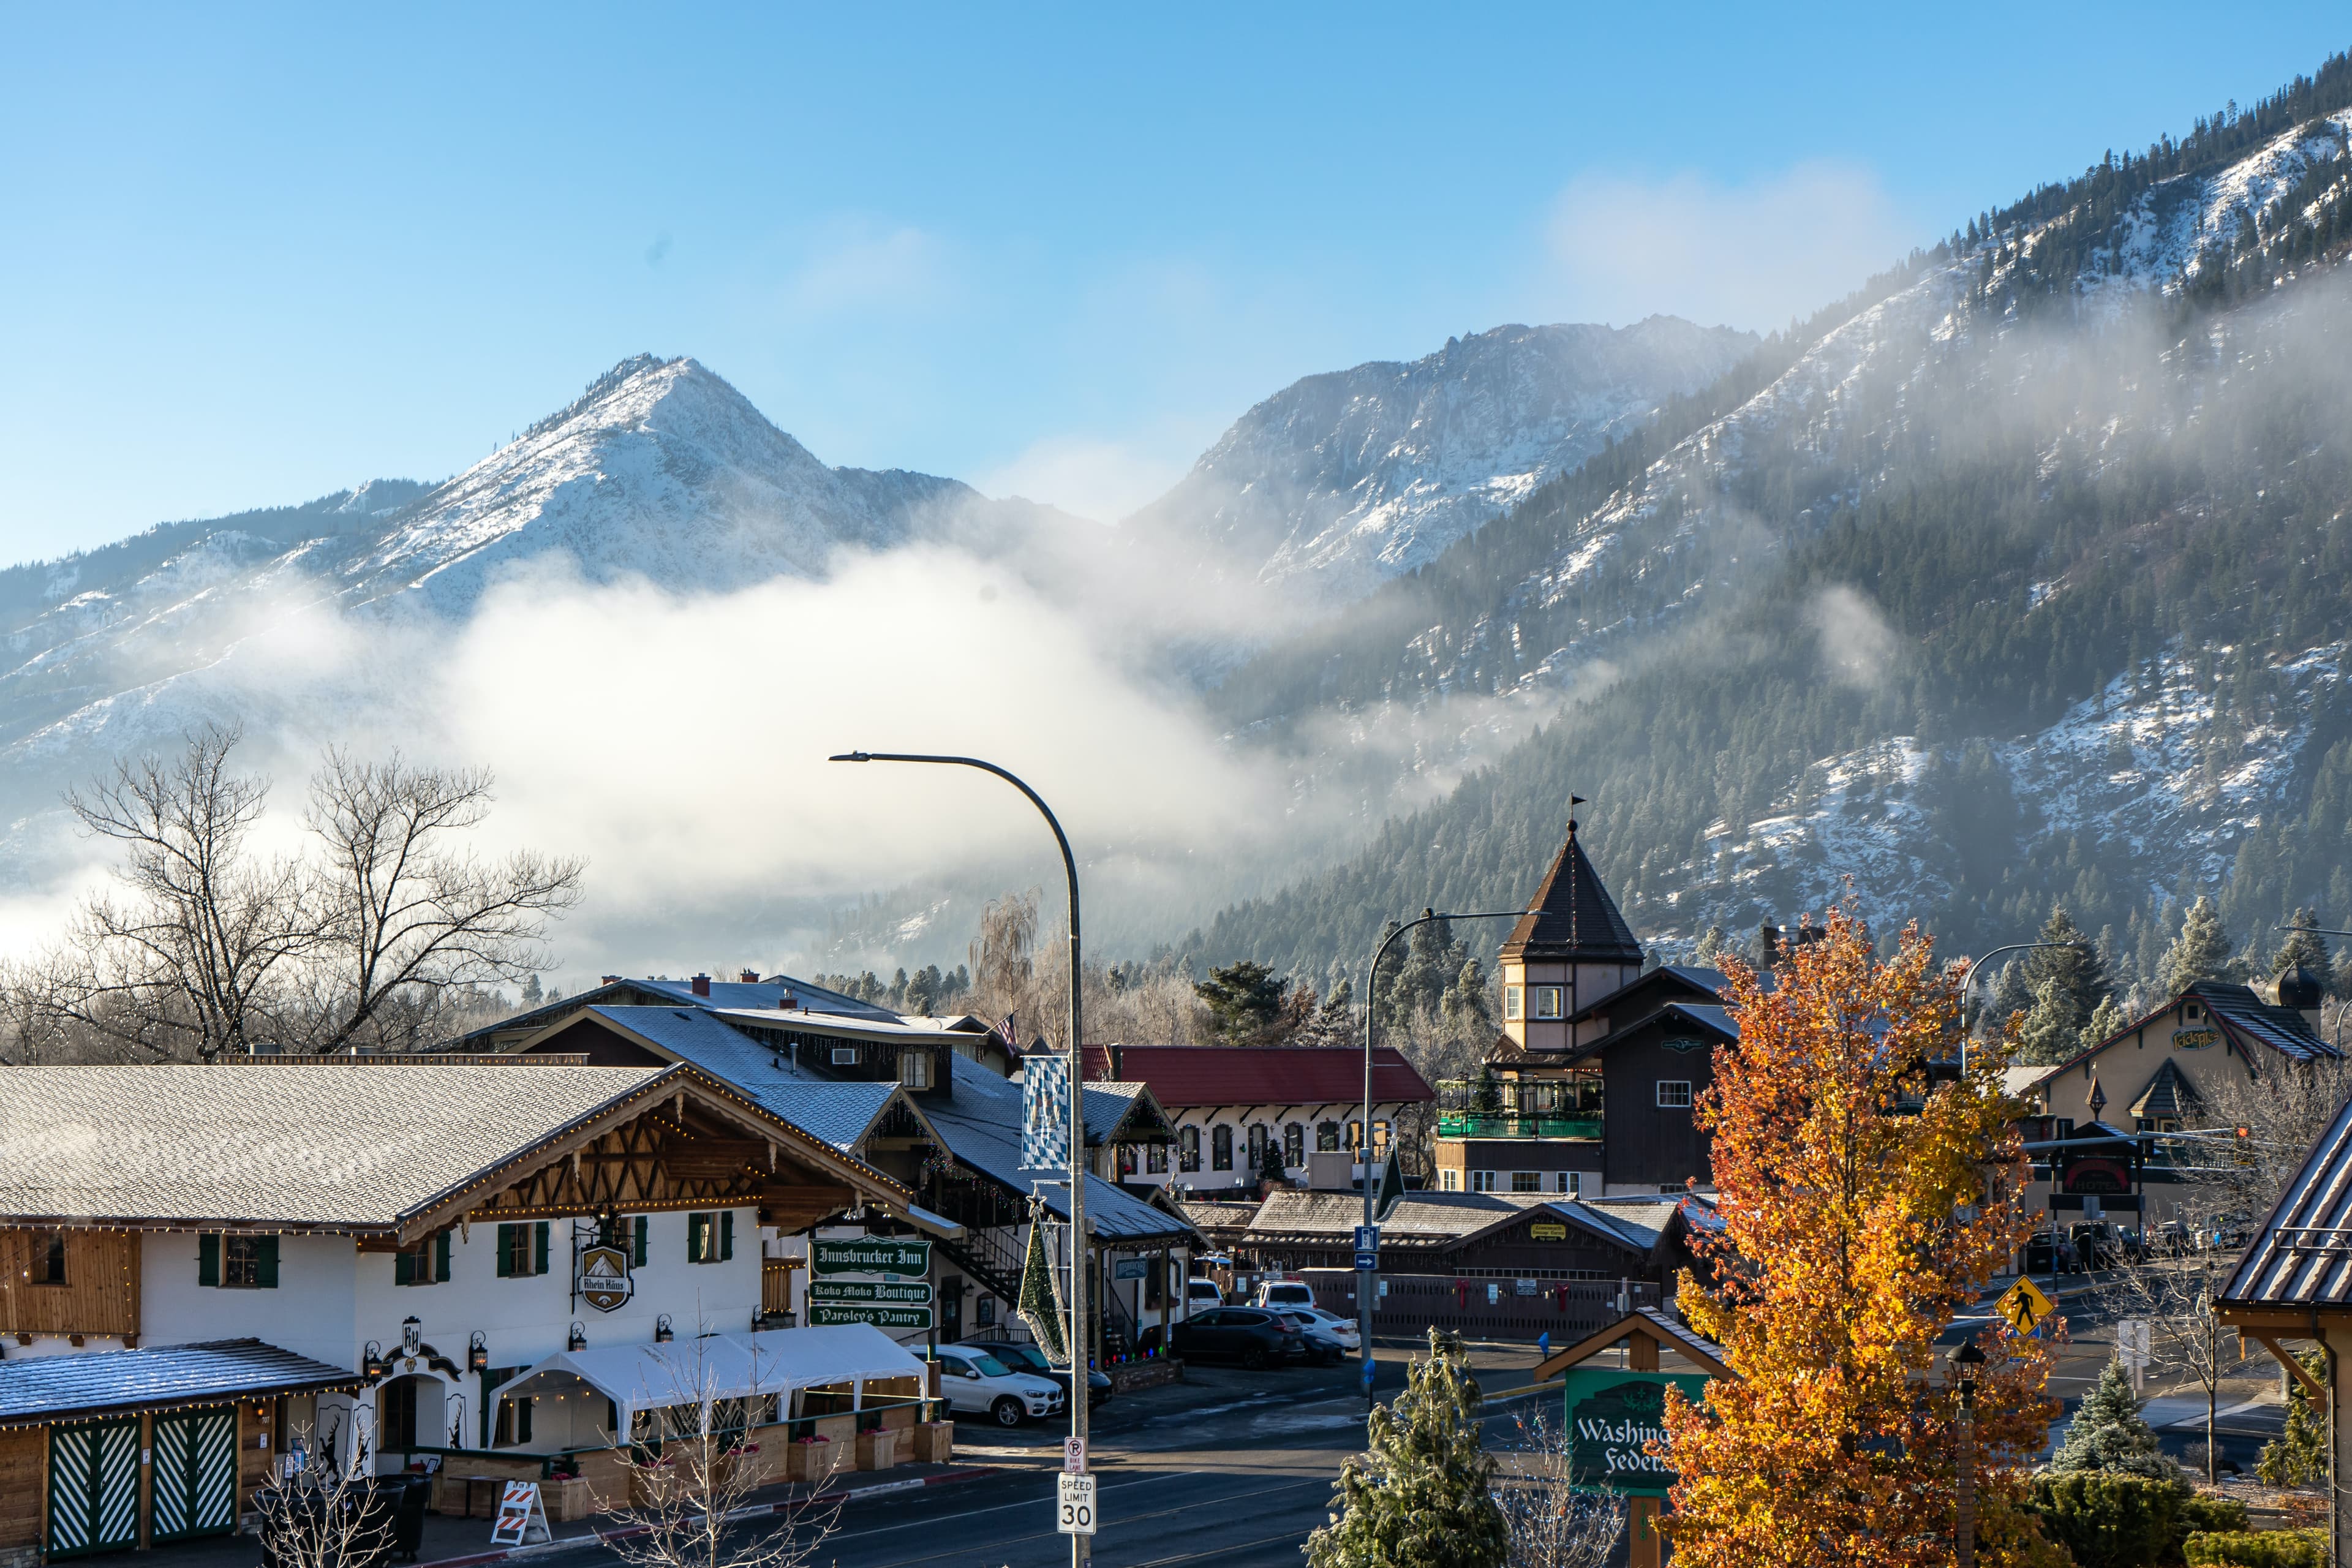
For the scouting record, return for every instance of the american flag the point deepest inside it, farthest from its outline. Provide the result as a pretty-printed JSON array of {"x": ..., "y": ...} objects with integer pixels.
[{"x": 1006, "y": 1032}]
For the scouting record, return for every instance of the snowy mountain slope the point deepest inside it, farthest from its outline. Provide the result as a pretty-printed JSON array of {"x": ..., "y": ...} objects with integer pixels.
[
  {"x": 660, "y": 469},
  {"x": 1341, "y": 481}
]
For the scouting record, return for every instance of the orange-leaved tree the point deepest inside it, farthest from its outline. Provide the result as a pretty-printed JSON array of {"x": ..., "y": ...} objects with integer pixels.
[{"x": 1864, "y": 1198}]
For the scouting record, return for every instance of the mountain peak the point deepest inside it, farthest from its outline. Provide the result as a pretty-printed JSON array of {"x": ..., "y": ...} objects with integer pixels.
[{"x": 1344, "y": 478}]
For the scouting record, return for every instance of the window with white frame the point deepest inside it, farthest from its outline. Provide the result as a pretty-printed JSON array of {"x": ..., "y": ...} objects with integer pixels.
[
  {"x": 1482, "y": 1181},
  {"x": 1545, "y": 1002},
  {"x": 1569, "y": 1183},
  {"x": 1511, "y": 994},
  {"x": 1526, "y": 1181},
  {"x": 1449, "y": 1180},
  {"x": 1674, "y": 1094}
]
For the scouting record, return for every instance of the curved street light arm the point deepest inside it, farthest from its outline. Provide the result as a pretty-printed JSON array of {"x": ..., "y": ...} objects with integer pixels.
[
  {"x": 1968, "y": 978},
  {"x": 1080, "y": 1359}
]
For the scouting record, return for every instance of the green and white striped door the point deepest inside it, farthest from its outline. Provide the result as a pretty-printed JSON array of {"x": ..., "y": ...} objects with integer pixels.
[
  {"x": 93, "y": 1487},
  {"x": 194, "y": 1484}
]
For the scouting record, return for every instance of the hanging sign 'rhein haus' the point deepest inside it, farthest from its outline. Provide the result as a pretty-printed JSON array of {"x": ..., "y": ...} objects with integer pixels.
[{"x": 605, "y": 1280}]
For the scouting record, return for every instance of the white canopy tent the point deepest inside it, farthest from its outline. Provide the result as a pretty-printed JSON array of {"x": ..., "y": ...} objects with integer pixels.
[{"x": 714, "y": 1369}]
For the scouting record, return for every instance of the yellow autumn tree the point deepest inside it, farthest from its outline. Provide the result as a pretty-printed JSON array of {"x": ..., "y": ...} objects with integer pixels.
[{"x": 1867, "y": 1191}]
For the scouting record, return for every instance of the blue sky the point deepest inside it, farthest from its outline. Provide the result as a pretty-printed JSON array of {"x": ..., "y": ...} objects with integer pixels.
[{"x": 253, "y": 255}]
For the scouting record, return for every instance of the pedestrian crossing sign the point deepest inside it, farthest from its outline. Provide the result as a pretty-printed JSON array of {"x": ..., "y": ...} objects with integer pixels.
[{"x": 2023, "y": 1305}]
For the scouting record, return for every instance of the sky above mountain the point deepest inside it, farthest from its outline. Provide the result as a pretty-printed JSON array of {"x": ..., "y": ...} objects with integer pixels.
[{"x": 1052, "y": 255}]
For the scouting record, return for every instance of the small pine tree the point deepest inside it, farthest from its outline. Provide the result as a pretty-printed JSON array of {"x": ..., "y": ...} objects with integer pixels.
[
  {"x": 531, "y": 994},
  {"x": 2108, "y": 1435},
  {"x": 2301, "y": 1453},
  {"x": 2201, "y": 951},
  {"x": 2304, "y": 947},
  {"x": 1422, "y": 1491},
  {"x": 2067, "y": 986}
]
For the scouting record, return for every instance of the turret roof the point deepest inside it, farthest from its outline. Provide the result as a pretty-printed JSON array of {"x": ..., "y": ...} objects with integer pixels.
[{"x": 1572, "y": 917}]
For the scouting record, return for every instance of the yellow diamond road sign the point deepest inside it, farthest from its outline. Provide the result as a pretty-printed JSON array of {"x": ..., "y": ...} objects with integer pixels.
[{"x": 2023, "y": 1306}]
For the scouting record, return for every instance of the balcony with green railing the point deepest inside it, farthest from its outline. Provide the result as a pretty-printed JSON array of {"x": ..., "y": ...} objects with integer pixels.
[{"x": 1492, "y": 1107}]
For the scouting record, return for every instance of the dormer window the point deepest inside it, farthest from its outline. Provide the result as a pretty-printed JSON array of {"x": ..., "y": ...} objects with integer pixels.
[
  {"x": 2192, "y": 1012},
  {"x": 915, "y": 1069}
]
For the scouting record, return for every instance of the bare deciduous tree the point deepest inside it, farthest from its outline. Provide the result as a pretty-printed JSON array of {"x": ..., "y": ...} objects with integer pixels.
[
  {"x": 2176, "y": 1297},
  {"x": 1557, "y": 1518},
  {"x": 204, "y": 949},
  {"x": 686, "y": 1492},
  {"x": 188, "y": 955},
  {"x": 322, "y": 1514},
  {"x": 413, "y": 916}
]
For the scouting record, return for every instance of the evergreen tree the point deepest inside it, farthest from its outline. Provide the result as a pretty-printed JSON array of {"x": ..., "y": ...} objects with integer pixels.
[
  {"x": 1269, "y": 1166},
  {"x": 2201, "y": 951},
  {"x": 1421, "y": 1495},
  {"x": 1244, "y": 999},
  {"x": 532, "y": 994},
  {"x": 2304, "y": 947},
  {"x": 2104, "y": 1023},
  {"x": 2067, "y": 986},
  {"x": 2301, "y": 1453},
  {"x": 2107, "y": 1433},
  {"x": 1711, "y": 944}
]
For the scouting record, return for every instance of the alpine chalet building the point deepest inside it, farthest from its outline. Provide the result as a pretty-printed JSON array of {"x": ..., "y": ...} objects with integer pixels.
[{"x": 1588, "y": 1092}]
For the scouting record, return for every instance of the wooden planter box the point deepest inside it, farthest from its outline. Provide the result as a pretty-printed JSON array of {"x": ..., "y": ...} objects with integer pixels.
[
  {"x": 1129, "y": 1376},
  {"x": 878, "y": 1450},
  {"x": 807, "y": 1462},
  {"x": 568, "y": 1500},
  {"x": 931, "y": 1442}
]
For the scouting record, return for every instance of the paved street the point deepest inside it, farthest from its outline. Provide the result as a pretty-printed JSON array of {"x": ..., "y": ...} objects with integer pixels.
[{"x": 1236, "y": 1468}]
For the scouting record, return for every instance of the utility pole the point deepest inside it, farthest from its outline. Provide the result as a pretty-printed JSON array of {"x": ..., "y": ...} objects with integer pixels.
[
  {"x": 1366, "y": 1282},
  {"x": 1081, "y": 1361}
]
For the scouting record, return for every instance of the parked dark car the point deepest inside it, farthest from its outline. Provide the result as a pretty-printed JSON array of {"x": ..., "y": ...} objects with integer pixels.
[
  {"x": 1029, "y": 1358},
  {"x": 2051, "y": 1252},
  {"x": 1254, "y": 1336}
]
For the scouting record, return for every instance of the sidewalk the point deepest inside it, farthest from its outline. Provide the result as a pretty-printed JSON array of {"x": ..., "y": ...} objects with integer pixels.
[{"x": 451, "y": 1543}]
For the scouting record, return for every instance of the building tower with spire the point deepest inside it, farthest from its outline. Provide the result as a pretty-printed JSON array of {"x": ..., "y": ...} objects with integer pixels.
[
  {"x": 1571, "y": 947},
  {"x": 1590, "y": 1091}
]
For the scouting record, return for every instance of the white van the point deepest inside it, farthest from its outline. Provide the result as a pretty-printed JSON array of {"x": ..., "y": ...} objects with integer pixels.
[
  {"x": 1200, "y": 1295},
  {"x": 1283, "y": 1293},
  {"x": 975, "y": 1383}
]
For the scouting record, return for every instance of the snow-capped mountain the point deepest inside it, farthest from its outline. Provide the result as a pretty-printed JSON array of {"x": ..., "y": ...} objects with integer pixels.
[
  {"x": 2011, "y": 579},
  {"x": 1342, "y": 480},
  {"x": 660, "y": 469}
]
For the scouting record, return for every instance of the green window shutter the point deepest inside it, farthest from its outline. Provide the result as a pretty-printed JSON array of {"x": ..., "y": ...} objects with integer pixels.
[
  {"x": 698, "y": 1226},
  {"x": 265, "y": 1262},
  {"x": 208, "y": 1260},
  {"x": 441, "y": 1258},
  {"x": 403, "y": 1268},
  {"x": 638, "y": 1260},
  {"x": 506, "y": 1251},
  {"x": 726, "y": 1235},
  {"x": 538, "y": 1248}
]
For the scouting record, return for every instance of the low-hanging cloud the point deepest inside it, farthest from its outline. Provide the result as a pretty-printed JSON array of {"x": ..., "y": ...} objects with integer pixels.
[
  {"x": 1749, "y": 254},
  {"x": 680, "y": 743},
  {"x": 1858, "y": 647}
]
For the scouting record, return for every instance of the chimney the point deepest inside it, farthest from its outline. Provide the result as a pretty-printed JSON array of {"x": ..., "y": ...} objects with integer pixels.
[
  {"x": 611, "y": 979},
  {"x": 748, "y": 976},
  {"x": 701, "y": 983}
]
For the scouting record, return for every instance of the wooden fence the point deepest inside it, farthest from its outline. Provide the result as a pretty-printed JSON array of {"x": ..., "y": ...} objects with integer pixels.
[{"x": 1482, "y": 1308}]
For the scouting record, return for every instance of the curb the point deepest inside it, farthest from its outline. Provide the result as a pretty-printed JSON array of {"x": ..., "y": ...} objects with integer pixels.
[{"x": 757, "y": 1510}]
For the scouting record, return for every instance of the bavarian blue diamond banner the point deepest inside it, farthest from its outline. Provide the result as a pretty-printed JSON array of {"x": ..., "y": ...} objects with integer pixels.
[{"x": 1045, "y": 1112}]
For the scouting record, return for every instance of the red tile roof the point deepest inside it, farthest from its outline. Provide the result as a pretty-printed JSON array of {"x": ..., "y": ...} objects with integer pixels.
[{"x": 1260, "y": 1075}]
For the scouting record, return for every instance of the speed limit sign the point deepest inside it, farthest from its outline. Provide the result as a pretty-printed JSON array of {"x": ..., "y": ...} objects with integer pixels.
[{"x": 1074, "y": 1512}]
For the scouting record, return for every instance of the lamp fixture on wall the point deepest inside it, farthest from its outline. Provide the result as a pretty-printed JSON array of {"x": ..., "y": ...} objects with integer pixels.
[
  {"x": 662, "y": 1334},
  {"x": 478, "y": 1354},
  {"x": 579, "y": 1339},
  {"x": 372, "y": 1361}
]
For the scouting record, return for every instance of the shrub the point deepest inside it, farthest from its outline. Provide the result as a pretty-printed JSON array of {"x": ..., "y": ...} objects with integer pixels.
[
  {"x": 2224, "y": 1515},
  {"x": 2112, "y": 1520},
  {"x": 2258, "y": 1549}
]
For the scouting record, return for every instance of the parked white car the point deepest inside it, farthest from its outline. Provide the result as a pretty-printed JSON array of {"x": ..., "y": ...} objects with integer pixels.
[
  {"x": 1283, "y": 1293},
  {"x": 1200, "y": 1295},
  {"x": 975, "y": 1383},
  {"x": 1340, "y": 1329}
]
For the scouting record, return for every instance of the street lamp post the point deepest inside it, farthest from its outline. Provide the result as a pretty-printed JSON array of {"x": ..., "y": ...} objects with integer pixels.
[
  {"x": 1968, "y": 978},
  {"x": 1365, "y": 1293},
  {"x": 1967, "y": 1360},
  {"x": 1081, "y": 1363}
]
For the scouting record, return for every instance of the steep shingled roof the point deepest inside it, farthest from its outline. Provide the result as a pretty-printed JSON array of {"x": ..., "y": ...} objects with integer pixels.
[
  {"x": 1187, "y": 1076},
  {"x": 1573, "y": 916}
]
